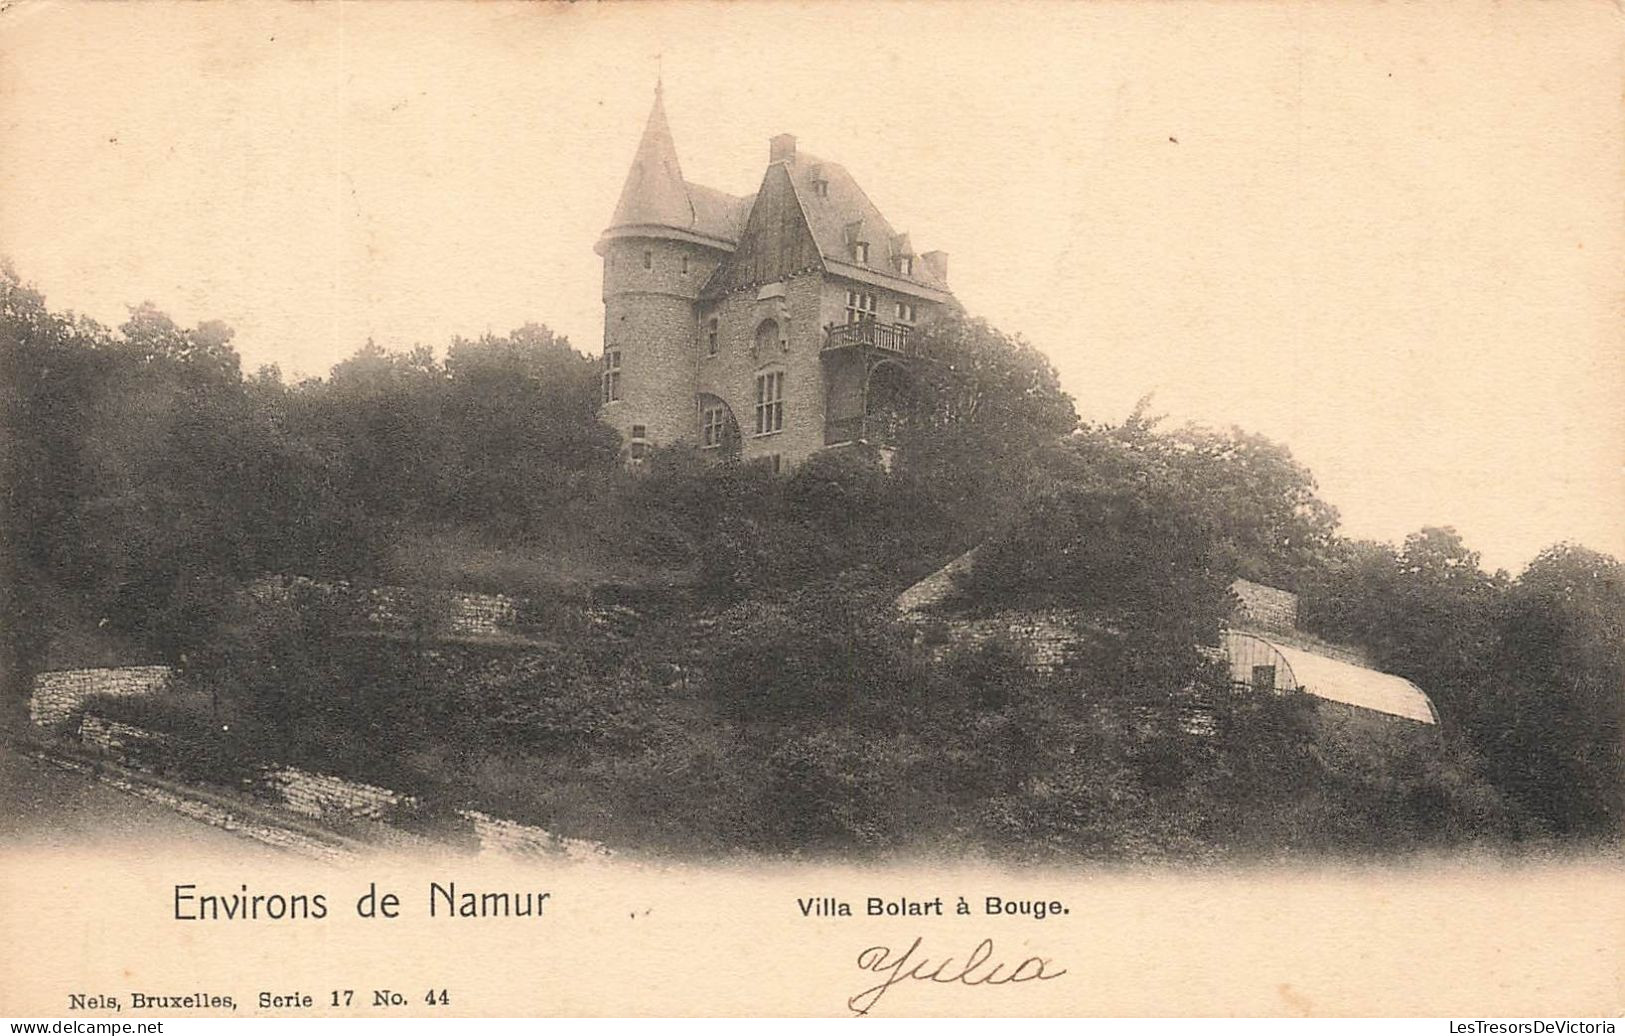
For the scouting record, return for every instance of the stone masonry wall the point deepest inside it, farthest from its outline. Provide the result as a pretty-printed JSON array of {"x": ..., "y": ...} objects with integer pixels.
[
  {"x": 731, "y": 374},
  {"x": 649, "y": 318},
  {"x": 126, "y": 745},
  {"x": 511, "y": 838},
  {"x": 455, "y": 613},
  {"x": 60, "y": 695},
  {"x": 207, "y": 812},
  {"x": 1266, "y": 607},
  {"x": 1044, "y": 637},
  {"x": 320, "y": 796},
  {"x": 327, "y": 797}
]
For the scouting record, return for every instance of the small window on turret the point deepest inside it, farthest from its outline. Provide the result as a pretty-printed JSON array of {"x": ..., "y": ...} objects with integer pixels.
[
  {"x": 648, "y": 259},
  {"x": 685, "y": 264},
  {"x": 611, "y": 378}
]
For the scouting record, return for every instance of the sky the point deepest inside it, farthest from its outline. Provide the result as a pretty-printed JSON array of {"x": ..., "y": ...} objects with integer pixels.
[{"x": 1391, "y": 237}]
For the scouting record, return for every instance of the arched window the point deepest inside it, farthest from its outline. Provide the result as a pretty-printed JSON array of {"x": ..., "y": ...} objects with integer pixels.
[
  {"x": 767, "y": 336},
  {"x": 718, "y": 430}
]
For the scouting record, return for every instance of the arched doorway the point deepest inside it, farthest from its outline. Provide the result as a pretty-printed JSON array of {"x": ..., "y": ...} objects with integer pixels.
[{"x": 890, "y": 395}]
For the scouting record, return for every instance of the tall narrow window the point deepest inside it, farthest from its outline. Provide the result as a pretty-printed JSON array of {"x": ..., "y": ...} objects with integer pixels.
[
  {"x": 711, "y": 328},
  {"x": 714, "y": 423},
  {"x": 860, "y": 251},
  {"x": 906, "y": 265},
  {"x": 612, "y": 375},
  {"x": 769, "y": 402},
  {"x": 860, "y": 306},
  {"x": 684, "y": 264},
  {"x": 648, "y": 259}
]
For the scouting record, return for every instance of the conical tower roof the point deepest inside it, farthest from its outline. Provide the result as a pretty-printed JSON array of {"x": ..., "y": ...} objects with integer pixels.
[{"x": 655, "y": 193}]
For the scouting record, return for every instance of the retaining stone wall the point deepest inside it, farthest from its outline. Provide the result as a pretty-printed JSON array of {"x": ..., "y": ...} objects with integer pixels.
[
  {"x": 129, "y": 746},
  {"x": 60, "y": 695},
  {"x": 209, "y": 813},
  {"x": 511, "y": 838},
  {"x": 327, "y": 797},
  {"x": 1266, "y": 607},
  {"x": 1045, "y": 637}
]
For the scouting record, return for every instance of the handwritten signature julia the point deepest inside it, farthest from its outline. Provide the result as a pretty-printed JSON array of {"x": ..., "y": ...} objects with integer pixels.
[{"x": 978, "y": 969}]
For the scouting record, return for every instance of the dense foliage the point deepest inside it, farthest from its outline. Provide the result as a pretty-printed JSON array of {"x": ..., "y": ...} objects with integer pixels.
[{"x": 769, "y": 697}]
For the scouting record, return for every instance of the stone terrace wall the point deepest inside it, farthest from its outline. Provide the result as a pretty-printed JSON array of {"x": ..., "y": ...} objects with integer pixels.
[
  {"x": 1266, "y": 607},
  {"x": 480, "y": 614},
  {"x": 127, "y": 745},
  {"x": 326, "y": 797},
  {"x": 511, "y": 838},
  {"x": 451, "y": 612},
  {"x": 1044, "y": 636},
  {"x": 60, "y": 695},
  {"x": 322, "y": 797},
  {"x": 206, "y": 811},
  {"x": 456, "y": 613}
]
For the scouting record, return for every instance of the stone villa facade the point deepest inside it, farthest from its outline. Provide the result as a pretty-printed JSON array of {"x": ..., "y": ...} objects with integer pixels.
[{"x": 762, "y": 327}]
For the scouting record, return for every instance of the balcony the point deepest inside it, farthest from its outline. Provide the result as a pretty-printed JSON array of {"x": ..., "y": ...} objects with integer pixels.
[{"x": 891, "y": 338}]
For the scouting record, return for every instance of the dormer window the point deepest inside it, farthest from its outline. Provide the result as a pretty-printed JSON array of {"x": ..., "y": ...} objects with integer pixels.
[
  {"x": 860, "y": 251},
  {"x": 821, "y": 188},
  {"x": 905, "y": 265}
]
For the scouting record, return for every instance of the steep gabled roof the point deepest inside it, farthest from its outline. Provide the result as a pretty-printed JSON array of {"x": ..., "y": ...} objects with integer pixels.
[
  {"x": 776, "y": 241},
  {"x": 842, "y": 209},
  {"x": 656, "y": 200}
]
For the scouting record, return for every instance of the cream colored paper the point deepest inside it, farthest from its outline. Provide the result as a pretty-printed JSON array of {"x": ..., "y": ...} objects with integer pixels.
[{"x": 1390, "y": 236}]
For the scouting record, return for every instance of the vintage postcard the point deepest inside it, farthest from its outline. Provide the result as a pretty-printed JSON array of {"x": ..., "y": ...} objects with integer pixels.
[{"x": 812, "y": 509}]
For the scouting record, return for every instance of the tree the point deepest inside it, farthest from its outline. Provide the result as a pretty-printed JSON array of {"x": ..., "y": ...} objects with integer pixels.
[
  {"x": 1273, "y": 526},
  {"x": 1552, "y": 730},
  {"x": 524, "y": 439},
  {"x": 1115, "y": 533},
  {"x": 981, "y": 405},
  {"x": 1426, "y": 612}
]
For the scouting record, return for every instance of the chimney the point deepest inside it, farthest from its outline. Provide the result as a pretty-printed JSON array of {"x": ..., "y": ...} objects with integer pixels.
[
  {"x": 937, "y": 263},
  {"x": 782, "y": 148}
]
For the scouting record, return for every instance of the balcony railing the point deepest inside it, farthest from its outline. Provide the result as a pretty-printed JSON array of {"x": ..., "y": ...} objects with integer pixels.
[{"x": 893, "y": 338}]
